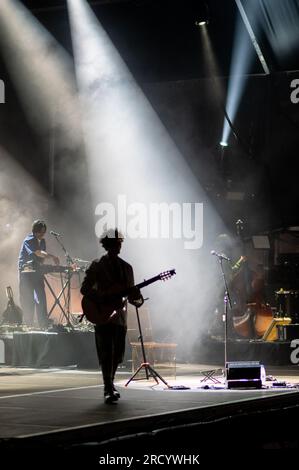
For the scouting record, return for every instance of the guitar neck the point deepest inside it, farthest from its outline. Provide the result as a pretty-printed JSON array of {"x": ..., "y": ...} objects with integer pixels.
[
  {"x": 9, "y": 294},
  {"x": 159, "y": 277},
  {"x": 148, "y": 281}
]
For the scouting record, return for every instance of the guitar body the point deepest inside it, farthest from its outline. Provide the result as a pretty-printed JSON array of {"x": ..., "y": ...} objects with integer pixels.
[
  {"x": 104, "y": 310},
  {"x": 101, "y": 313},
  {"x": 12, "y": 314}
]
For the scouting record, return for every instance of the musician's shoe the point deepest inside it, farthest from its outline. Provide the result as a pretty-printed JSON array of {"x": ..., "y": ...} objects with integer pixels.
[
  {"x": 110, "y": 397},
  {"x": 116, "y": 392}
]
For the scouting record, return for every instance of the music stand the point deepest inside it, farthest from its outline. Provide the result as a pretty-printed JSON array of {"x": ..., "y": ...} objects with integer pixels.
[{"x": 149, "y": 370}]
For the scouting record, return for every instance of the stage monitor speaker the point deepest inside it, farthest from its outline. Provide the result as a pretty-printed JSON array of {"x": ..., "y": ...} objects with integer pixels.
[
  {"x": 288, "y": 332},
  {"x": 271, "y": 334},
  {"x": 249, "y": 374}
]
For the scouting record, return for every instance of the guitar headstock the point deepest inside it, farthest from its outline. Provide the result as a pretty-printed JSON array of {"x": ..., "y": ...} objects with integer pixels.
[
  {"x": 9, "y": 294},
  {"x": 167, "y": 275}
]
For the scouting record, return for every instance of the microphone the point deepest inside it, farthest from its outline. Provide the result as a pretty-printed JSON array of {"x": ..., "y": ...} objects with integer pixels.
[
  {"x": 220, "y": 255},
  {"x": 55, "y": 233}
]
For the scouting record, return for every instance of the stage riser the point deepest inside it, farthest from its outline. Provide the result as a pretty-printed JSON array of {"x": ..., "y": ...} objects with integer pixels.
[
  {"x": 6, "y": 349},
  {"x": 78, "y": 348},
  {"x": 50, "y": 350}
]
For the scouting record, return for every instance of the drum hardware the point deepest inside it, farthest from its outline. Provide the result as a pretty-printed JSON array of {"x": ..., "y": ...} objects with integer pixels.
[
  {"x": 287, "y": 304},
  {"x": 288, "y": 332},
  {"x": 271, "y": 334}
]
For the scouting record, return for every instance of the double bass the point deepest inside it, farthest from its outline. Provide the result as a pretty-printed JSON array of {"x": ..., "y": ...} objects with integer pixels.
[{"x": 251, "y": 314}]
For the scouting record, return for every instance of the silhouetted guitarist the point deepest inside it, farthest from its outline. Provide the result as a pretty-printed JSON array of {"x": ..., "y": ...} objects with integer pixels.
[{"x": 109, "y": 275}]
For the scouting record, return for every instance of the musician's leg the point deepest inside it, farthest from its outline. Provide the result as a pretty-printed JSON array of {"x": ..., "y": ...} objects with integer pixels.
[
  {"x": 26, "y": 287},
  {"x": 118, "y": 351},
  {"x": 104, "y": 346},
  {"x": 41, "y": 301}
]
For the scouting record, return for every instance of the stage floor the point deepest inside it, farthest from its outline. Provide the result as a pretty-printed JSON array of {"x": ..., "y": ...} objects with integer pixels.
[{"x": 38, "y": 401}]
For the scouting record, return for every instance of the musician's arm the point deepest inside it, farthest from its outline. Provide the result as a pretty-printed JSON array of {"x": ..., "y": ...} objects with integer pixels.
[
  {"x": 88, "y": 288},
  {"x": 45, "y": 255},
  {"x": 29, "y": 247}
]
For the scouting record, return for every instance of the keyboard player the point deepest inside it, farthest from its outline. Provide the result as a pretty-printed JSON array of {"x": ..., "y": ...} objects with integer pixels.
[{"x": 32, "y": 255}]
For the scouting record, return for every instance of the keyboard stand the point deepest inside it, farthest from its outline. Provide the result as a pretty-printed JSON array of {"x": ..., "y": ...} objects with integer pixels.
[{"x": 65, "y": 285}]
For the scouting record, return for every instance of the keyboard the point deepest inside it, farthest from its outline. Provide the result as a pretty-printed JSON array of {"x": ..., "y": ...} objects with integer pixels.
[{"x": 51, "y": 268}]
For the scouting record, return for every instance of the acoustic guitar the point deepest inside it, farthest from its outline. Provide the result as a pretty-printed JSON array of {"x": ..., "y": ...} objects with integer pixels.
[
  {"x": 12, "y": 314},
  {"x": 104, "y": 309}
]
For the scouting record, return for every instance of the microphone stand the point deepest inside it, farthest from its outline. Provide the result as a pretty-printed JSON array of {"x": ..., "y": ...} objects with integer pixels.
[
  {"x": 226, "y": 302},
  {"x": 149, "y": 370},
  {"x": 209, "y": 374}
]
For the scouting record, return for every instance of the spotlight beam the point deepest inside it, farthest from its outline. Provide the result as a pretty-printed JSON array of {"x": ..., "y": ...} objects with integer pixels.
[
  {"x": 63, "y": 6},
  {"x": 253, "y": 38},
  {"x": 41, "y": 71},
  {"x": 135, "y": 168},
  {"x": 213, "y": 70},
  {"x": 240, "y": 64}
]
